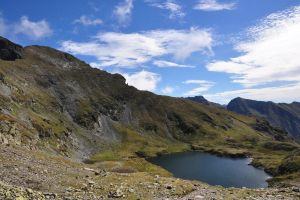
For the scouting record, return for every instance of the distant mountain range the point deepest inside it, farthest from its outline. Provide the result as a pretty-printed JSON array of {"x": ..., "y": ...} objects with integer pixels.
[
  {"x": 281, "y": 115},
  {"x": 285, "y": 116}
]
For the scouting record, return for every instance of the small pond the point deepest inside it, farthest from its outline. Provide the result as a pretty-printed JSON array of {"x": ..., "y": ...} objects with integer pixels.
[{"x": 214, "y": 170}]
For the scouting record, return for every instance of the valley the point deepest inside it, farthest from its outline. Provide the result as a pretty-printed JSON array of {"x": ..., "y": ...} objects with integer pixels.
[{"x": 70, "y": 131}]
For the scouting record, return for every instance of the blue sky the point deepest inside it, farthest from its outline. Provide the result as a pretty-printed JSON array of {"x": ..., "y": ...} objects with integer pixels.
[{"x": 217, "y": 48}]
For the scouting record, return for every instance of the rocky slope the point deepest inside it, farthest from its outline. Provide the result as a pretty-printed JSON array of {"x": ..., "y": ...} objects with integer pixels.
[
  {"x": 59, "y": 116},
  {"x": 285, "y": 116},
  {"x": 34, "y": 175}
]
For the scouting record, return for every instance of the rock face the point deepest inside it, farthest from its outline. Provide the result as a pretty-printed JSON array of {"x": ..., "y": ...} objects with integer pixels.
[
  {"x": 285, "y": 116},
  {"x": 10, "y": 51}
]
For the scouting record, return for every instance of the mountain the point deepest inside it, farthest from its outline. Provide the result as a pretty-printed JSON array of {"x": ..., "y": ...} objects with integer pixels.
[
  {"x": 67, "y": 127},
  {"x": 199, "y": 99},
  {"x": 285, "y": 116},
  {"x": 202, "y": 100}
]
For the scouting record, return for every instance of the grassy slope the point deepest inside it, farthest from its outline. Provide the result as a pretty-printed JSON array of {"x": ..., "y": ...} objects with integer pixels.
[{"x": 52, "y": 105}]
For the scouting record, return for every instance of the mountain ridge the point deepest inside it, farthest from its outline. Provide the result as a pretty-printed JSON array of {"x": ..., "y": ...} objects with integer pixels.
[
  {"x": 202, "y": 100},
  {"x": 283, "y": 115},
  {"x": 57, "y": 105}
]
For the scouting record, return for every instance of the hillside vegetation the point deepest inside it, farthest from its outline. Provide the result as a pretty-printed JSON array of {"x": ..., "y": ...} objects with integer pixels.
[{"x": 52, "y": 102}]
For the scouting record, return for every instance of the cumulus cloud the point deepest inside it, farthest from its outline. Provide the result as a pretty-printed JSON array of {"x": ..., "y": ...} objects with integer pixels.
[
  {"x": 123, "y": 12},
  {"x": 163, "y": 64},
  {"x": 285, "y": 93},
  {"x": 143, "y": 80},
  {"x": 269, "y": 54},
  {"x": 86, "y": 21},
  {"x": 174, "y": 8},
  {"x": 167, "y": 90},
  {"x": 213, "y": 5},
  {"x": 34, "y": 30},
  {"x": 202, "y": 86},
  {"x": 134, "y": 49}
]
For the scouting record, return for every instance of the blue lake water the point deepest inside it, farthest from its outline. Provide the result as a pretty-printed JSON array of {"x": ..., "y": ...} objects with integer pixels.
[{"x": 214, "y": 170}]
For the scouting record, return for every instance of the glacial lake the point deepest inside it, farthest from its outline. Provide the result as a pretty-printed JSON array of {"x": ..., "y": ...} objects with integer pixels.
[{"x": 214, "y": 170}]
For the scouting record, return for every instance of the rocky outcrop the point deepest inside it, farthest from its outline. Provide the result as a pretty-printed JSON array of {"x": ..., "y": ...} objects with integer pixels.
[
  {"x": 285, "y": 116},
  {"x": 10, "y": 51}
]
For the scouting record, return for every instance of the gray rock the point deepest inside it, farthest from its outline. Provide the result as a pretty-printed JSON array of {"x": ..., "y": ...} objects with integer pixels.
[{"x": 116, "y": 194}]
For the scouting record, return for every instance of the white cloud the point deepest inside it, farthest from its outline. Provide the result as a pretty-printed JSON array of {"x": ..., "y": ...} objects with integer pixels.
[
  {"x": 86, "y": 21},
  {"x": 123, "y": 12},
  {"x": 167, "y": 90},
  {"x": 213, "y": 5},
  {"x": 143, "y": 80},
  {"x": 134, "y": 49},
  {"x": 203, "y": 86},
  {"x": 174, "y": 8},
  {"x": 34, "y": 30},
  {"x": 286, "y": 93},
  {"x": 163, "y": 63},
  {"x": 270, "y": 54},
  {"x": 96, "y": 65}
]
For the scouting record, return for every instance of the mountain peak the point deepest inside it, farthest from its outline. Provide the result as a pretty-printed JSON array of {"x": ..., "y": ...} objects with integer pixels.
[
  {"x": 10, "y": 51},
  {"x": 199, "y": 99}
]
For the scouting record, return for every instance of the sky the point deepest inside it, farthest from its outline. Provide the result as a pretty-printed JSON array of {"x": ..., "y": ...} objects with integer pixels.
[{"x": 220, "y": 49}]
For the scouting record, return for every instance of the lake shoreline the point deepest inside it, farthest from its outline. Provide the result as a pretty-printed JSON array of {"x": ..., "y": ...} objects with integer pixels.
[
  {"x": 221, "y": 154},
  {"x": 213, "y": 169}
]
